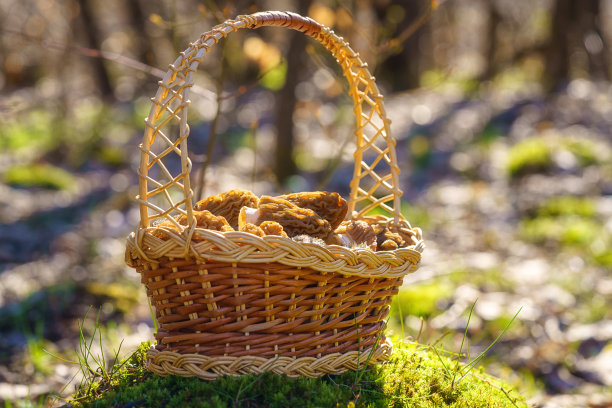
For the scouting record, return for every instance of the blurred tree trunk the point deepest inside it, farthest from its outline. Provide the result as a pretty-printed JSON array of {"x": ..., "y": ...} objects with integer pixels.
[
  {"x": 595, "y": 40},
  {"x": 493, "y": 21},
  {"x": 575, "y": 26},
  {"x": 143, "y": 41},
  {"x": 92, "y": 37},
  {"x": 557, "y": 53},
  {"x": 403, "y": 69},
  {"x": 284, "y": 164}
]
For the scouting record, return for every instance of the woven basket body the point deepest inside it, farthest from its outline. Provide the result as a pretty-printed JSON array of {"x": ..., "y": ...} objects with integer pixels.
[{"x": 232, "y": 303}]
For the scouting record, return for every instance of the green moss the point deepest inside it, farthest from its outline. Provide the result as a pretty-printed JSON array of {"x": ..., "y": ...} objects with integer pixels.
[
  {"x": 33, "y": 131},
  {"x": 528, "y": 156},
  {"x": 39, "y": 175},
  {"x": 584, "y": 150},
  {"x": 414, "y": 377},
  {"x": 419, "y": 300},
  {"x": 567, "y": 205},
  {"x": 123, "y": 295},
  {"x": 563, "y": 230},
  {"x": 580, "y": 232},
  {"x": 112, "y": 155},
  {"x": 536, "y": 153},
  {"x": 604, "y": 259}
]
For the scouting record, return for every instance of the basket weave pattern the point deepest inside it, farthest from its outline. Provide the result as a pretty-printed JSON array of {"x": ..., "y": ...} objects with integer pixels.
[{"x": 231, "y": 303}]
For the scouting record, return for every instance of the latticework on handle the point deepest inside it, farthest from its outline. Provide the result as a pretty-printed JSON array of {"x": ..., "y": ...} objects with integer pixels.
[{"x": 369, "y": 188}]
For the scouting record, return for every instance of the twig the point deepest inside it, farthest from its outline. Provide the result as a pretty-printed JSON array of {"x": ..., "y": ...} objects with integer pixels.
[
  {"x": 394, "y": 42},
  {"x": 421, "y": 322},
  {"x": 253, "y": 133},
  {"x": 212, "y": 139}
]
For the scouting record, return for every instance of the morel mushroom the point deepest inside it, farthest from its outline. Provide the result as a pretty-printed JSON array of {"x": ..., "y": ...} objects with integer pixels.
[
  {"x": 252, "y": 229},
  {"x": 273, "y": 228},
  {"x": 354, "y": 233},
  {"x": 329, "y": 206},
  {"x": 208, "y": 220},
  {"x": 228, "y": 204},
  {"x": 204, "y": 219},
  {"x": 361, "y": 233},
  {"x": 293, "y": 219},
  {"x": 388, "y": 241}
]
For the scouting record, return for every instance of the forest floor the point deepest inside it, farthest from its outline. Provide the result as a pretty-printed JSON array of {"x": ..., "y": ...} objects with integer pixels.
[{"x": 513, "y": 191}]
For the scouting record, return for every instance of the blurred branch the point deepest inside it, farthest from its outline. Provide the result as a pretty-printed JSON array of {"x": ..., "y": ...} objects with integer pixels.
[
  {"x": 212, "y": 138},
  {"x": 391, "y": 45},
  {"x": 108, "y": 55},
  {"x": 335, "y": 162}
]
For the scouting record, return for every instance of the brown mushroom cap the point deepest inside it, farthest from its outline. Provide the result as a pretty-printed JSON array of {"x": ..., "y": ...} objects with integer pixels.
[
  {"x": 204, "y": 219},
  {"x": 329, "y": 206},
  {"x": 361, "y": 233},
  {"x": 387, "y": 240},
  {"x": 273, "y": 228},
  {"x": 293, "y": 219},
  {"x": 252, "y": 229},
  {"x": 228, "y": 204}
]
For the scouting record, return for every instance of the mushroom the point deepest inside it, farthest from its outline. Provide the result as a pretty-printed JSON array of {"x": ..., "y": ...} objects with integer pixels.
[
  {"x": 388, "y": 241},
  {"x": 228, "y": 204},
  {"x": 293, "y": 219},
  {"x": 252, "y": 229},
  {"x": 204, "y": 219},
  {"x": 329, "y": 206},
  {"x": 354, "y": 233},
  {"x": 273, "y": 228}
]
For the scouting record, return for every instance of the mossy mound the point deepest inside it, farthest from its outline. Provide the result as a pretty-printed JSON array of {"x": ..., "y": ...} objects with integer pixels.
[{"x": 416, "y": 376}]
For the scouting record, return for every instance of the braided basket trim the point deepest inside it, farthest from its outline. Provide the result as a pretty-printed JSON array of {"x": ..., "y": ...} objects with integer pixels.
[
  {"x": 237, "y": 247},
  {"x": 210, "y": 368}
]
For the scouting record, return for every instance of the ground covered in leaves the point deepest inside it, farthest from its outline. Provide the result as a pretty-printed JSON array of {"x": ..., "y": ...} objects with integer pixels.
[{"x": 512, "y": 191}]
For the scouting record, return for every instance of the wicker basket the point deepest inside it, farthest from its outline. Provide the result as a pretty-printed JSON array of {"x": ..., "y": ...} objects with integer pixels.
[{"x": 232, "y": 303}]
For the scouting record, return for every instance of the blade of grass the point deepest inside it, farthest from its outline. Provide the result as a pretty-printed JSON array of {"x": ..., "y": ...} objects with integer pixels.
[
  {"x": 153, "y": 318},
  {"x": 446, "y": 369},
  {"x": 470, "y": 366},
  {"x": 467, "y": 325},
  {"x": 401, "y": 316}
]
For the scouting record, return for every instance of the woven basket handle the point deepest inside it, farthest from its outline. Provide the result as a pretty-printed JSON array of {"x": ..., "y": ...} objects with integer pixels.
[{"x": 163, "y": 199}]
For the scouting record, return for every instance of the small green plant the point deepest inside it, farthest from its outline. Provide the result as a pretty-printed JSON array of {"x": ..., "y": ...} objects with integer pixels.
[
  {"x": 565, "y": 230},
  {"x": 566, "y": 206},
  {"x": 530, "y": 155},
  {"x": 419, "y": 299},
  {"x": 36, "y": 354},
  {"x": 97, "y": 372},
  {"x": 585, "y": 151},
  {"x": 457, "y": 372},
  {"x": 39, "y": 175}
]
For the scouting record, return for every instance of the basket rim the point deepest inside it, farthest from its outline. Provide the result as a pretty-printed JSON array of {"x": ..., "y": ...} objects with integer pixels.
[
  {"x": 210, "y": 368},
  {"x": 242, "y": 247}
]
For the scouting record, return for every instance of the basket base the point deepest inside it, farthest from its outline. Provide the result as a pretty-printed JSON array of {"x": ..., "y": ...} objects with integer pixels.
[{"x": 210, "y": 368}]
